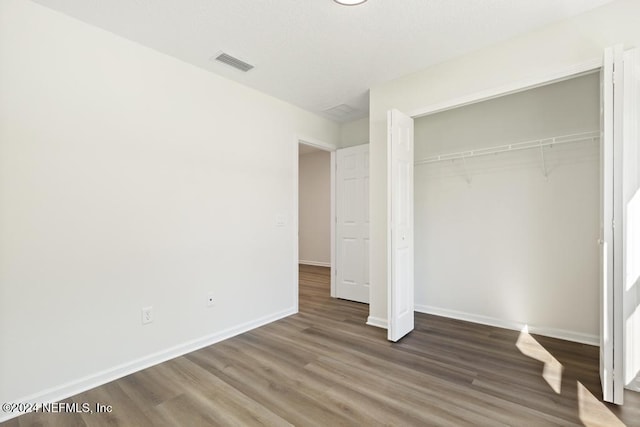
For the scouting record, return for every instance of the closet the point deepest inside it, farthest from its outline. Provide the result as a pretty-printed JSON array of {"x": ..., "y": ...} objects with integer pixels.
[{"x": 506, "y": 212}]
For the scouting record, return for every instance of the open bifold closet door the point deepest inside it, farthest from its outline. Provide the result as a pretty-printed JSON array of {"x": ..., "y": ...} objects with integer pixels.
[
  {"x": 400, "y": 225},
  {"x": 619, "y": 180}
]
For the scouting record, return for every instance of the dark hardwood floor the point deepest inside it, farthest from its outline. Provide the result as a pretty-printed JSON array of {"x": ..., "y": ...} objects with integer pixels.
[{"x": 325, "y": 367}]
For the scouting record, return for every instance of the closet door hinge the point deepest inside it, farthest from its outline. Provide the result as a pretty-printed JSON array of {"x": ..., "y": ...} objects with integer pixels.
[{"x": 613, "y": 223}]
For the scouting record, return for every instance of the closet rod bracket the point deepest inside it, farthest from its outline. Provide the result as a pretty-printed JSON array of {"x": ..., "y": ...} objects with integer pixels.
[
  {"x": 467, "y": 177},
  {"x": 542, "y": 144}
]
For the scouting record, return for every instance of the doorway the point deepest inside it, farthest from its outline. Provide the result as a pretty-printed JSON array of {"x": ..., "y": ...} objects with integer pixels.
[
  {"x": 618, "y": 135},
  {"x": 507, "y": 210},
  {"x": 492, "y": 178},
  {"x": 345, "y": 229},
  {"x": 314, "y": 206}
]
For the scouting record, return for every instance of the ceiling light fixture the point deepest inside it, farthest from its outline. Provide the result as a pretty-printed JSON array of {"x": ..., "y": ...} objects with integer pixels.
[{"x": 350, "y": 2}]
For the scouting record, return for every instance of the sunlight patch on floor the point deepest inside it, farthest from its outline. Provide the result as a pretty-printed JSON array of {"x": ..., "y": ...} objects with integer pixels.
[
  {"x": 594, "y": 413},
  {"x": 552, "y": 371}
]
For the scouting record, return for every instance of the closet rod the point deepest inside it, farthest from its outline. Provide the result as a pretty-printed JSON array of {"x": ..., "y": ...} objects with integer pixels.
[{"x": 526, "y": 145}]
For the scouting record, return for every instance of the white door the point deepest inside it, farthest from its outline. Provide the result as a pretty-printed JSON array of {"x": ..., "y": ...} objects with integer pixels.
[
  {"x": 352, "y": 223},
  {"x": 631, "y": 218},
  {"x": 611, "y": 368},
  {"x": 400, "y": 224}
]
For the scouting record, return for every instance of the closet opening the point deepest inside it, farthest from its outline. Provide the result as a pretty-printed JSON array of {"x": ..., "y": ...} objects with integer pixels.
[{"x": 506, "y": 210}]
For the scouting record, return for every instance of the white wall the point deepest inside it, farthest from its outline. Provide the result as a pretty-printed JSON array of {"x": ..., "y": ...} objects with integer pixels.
[
  {"x": 129, "y": 179},
  {"x": 512, "y": 248},
  {"x": 314, "y": 220},
  {"x": 354, "y": 133},
  {"x": 552, "y": 49}
]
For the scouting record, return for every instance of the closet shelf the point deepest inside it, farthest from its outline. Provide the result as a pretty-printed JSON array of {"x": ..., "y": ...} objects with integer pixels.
[{"x": 526, "y": 145}]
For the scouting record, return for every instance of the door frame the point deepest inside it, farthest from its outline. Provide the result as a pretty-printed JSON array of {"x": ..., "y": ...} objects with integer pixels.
[
  {"x": 553, "y": 76},
  {"x": 331, "y": 148}
]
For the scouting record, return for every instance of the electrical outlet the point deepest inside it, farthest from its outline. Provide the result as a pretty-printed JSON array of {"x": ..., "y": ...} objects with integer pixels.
[
  {"x": 210, "y": 299},
  {"x": 147, "y": 315}
]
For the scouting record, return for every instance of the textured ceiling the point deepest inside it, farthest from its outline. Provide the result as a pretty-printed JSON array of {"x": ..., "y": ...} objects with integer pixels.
[{"x": 315, "y": 53}]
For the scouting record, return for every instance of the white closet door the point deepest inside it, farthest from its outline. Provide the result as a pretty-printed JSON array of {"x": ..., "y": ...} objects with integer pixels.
[
  {"x": 611, "y": 338},
  {"x": 400, "y": 223},
  {"x": 352, "y": 220},
  {"x": 631, "y": 218}
]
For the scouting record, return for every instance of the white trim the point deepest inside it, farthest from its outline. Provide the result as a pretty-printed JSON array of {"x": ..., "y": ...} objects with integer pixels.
[
  {"x": 72, "y": 388},
  {"x": 332, "y": 280},
  {"x": 378, "y": 322},
  {"x": 510, "y": 88},
  {"x": 295, "y": 220},
  {"x": 508, "y": 324},
  {"x": 314, "y": 263},
  {"x": 388, "y": 224},
  {"x": 634, "y": 385},
  {"x": 326, "y": 146}
]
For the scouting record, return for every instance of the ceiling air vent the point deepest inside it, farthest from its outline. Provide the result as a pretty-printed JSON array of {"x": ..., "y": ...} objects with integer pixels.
[
  {"x": 233, "y": 62},
  {"x": 340, "y": 112}
]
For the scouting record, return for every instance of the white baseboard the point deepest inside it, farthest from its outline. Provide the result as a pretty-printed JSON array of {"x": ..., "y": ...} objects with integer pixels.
[
  {"x": 377, "y": 322},
  {"x": 507, "y": 324},
  {"x": 63, "y": 391},
  {"x": 315, "y": 263},
  {"x": 634, "y": 385}
]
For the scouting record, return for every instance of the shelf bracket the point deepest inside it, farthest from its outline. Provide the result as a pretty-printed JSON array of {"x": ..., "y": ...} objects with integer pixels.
[
  {"x": 466, "y": 171},
  {"x": 543, "y": 160}
]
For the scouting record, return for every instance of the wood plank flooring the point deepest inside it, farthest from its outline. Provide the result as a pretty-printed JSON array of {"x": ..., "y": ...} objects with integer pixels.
[{"x": 325, "y": 367}]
